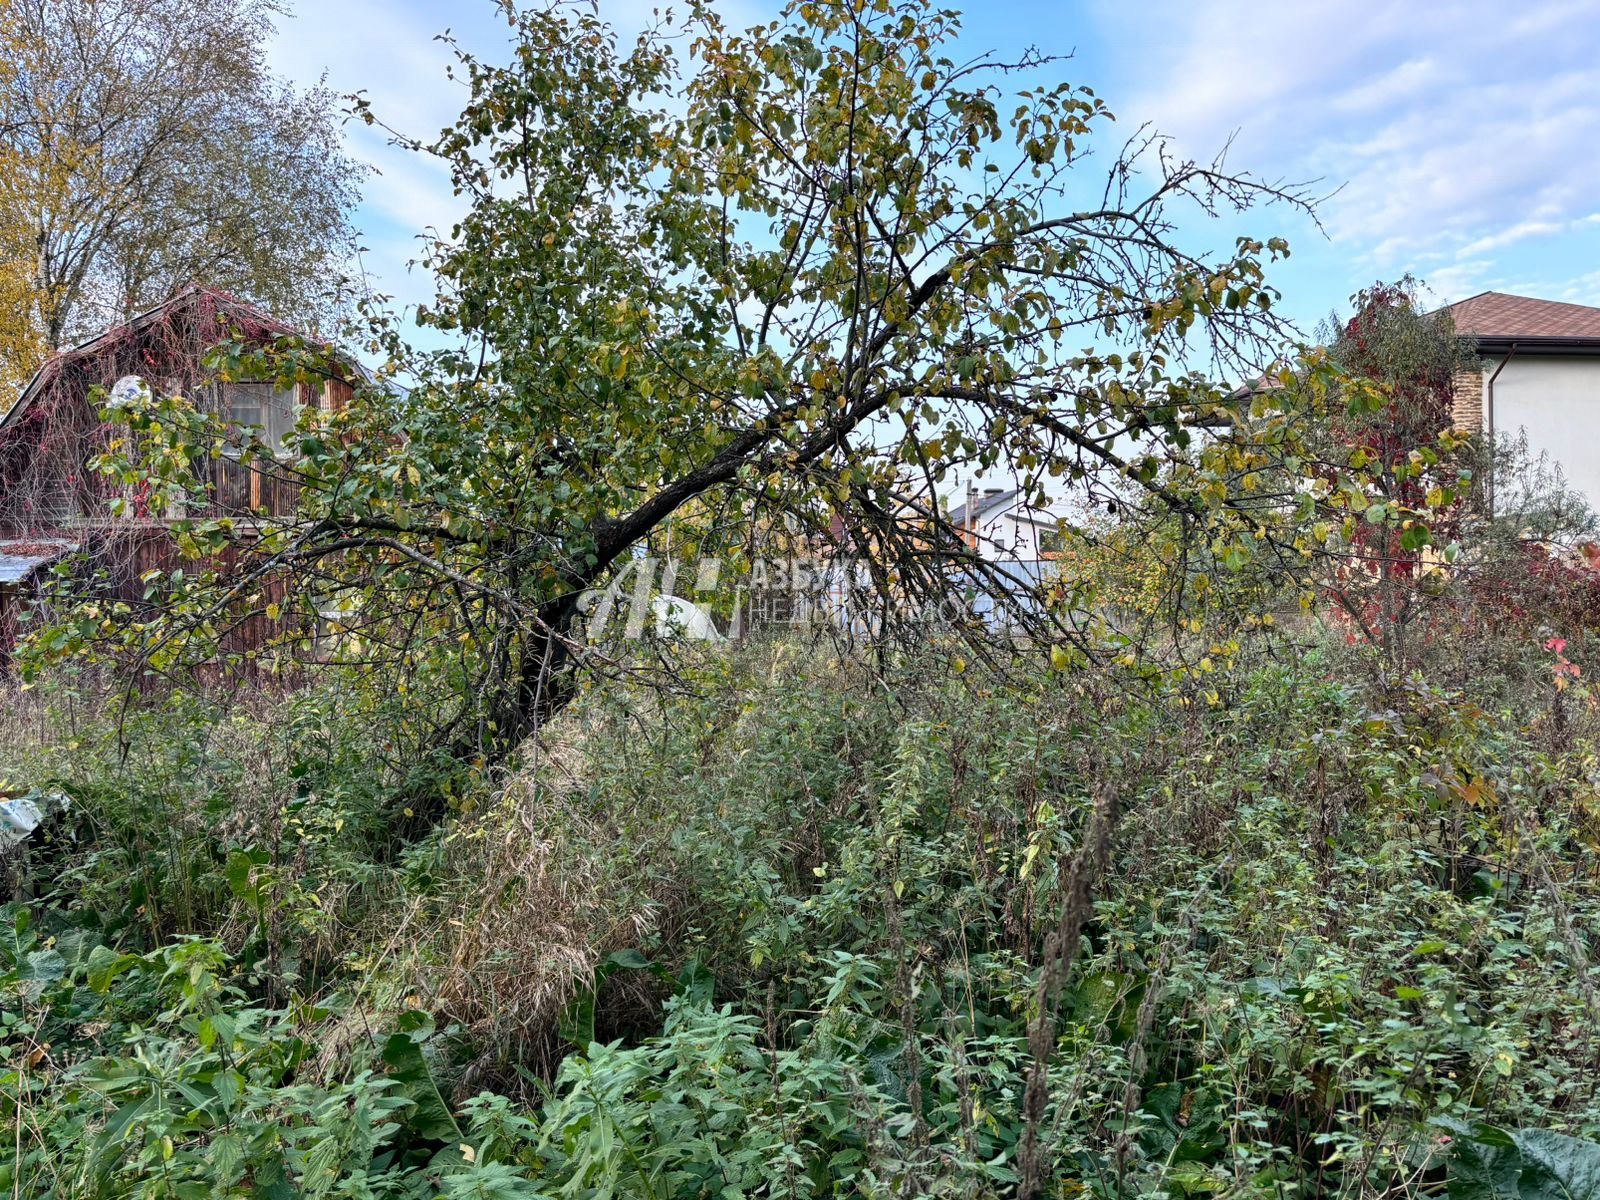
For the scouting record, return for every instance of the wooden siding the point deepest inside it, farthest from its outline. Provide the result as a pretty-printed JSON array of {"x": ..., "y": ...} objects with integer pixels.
[
  {"x": 239, "y": 489},
  {"x": 43, "y": 466},
  {"x": 246, "y": 629},
  {"x": 235, "y": 489}
]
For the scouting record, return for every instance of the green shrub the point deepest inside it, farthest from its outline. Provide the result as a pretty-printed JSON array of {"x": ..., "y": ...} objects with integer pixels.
[{"x": 780, "y": 934}]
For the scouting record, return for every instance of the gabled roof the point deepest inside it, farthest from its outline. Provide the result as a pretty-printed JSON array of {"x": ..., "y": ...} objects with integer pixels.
[
  {"x": 982, "y": 504},
  {"x": 225, "y": 305},
  {"x": 1043, "y": 518},
  {"x": 1495, "y": 320}
]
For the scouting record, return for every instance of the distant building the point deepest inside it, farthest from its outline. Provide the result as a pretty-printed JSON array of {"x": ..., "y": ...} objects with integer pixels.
[
  {"x": 1017, "y": 540},
  {"x": 1540, "y": 378},
  {"x": 1002, "y": 526}
]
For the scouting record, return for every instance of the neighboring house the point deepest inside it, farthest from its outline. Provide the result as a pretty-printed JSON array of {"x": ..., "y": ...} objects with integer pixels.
[
  {"x": 1019, "y": 540},
  {"x": 1003, "y": 527},
  {"x": 52, "y": 504},
  {"x": 1540, "y": 378}
]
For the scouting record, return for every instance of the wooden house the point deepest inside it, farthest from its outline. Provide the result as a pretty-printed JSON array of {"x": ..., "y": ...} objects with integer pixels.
[{"x": 53, "y": 505}]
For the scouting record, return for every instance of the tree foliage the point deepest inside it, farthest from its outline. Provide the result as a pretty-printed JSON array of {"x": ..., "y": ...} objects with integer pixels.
[
  {"x": 791, "y": 282},
  {"x": 805, "y": 271},
  {"x": 1399, "y": 368},
  {"x": 147, "y": 146},
  {"x": 21, "y": 340}
]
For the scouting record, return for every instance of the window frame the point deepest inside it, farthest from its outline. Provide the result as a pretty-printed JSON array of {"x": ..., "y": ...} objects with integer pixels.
[{"x": 276, "y": 412}]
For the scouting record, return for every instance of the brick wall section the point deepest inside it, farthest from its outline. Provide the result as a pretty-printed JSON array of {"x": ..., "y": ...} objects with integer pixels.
[{"x": 1466, "y": 402}]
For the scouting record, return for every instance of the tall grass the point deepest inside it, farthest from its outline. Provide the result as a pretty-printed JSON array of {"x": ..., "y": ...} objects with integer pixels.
[{"x": 807, "y": 928}]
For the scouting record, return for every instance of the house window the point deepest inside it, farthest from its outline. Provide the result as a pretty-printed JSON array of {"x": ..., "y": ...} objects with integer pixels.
[
  {"x": 1051, "y": 542},
  {"x": 264, "y": 407}
]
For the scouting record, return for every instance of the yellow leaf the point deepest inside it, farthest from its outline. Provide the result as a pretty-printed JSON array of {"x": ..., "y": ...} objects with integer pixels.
[{"x": 1028, "y": 856}]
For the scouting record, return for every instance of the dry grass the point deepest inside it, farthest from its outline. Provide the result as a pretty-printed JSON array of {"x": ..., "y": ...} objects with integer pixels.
[
  {"x": 552, "y": 894},
  {"x": 29, "y": 724}
]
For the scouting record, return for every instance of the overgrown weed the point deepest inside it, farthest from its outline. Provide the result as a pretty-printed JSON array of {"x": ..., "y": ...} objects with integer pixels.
[{"x": 782, "y": 932}]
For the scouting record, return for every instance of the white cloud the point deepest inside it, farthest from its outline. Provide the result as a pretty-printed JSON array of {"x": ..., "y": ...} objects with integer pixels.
[
  {"x": 1455, "y": 130},
  {"x": 1581, "y": 290},
  {"x": 391, "y": 52},
  {"x": 1395, "y": 86},
  {"x": 1509, "y": 237},
  {"x": 1460, "y": 135},
  {"x": 1456, "y": 281}
]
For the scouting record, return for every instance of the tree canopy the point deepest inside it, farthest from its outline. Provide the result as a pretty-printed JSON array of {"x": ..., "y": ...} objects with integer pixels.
[
  {"x": 802, "y": 272},
  {"x": 147, "y": 146}
]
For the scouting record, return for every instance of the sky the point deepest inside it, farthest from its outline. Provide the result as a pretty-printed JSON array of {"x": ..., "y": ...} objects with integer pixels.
[{"x": 1456, "y": 140}]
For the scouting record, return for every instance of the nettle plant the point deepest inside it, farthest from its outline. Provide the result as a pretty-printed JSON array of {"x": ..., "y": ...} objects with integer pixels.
[{"x": 801, "y": 273}]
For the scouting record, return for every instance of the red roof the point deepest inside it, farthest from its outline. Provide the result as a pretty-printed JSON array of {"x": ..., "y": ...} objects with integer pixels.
[{"x": 1498, "y": 316}]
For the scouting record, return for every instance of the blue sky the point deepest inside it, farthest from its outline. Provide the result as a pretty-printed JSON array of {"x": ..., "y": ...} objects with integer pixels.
[{"x": 1456, "y": 139}]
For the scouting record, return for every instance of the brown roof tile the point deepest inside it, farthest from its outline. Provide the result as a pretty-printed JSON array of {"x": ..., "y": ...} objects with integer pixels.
[{"x": 1497, "y": 315}]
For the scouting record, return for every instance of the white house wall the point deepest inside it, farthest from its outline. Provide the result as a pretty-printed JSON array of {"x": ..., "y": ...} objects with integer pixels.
[
  {"x": 1024, "y": 539},
  {"x": 1006, "y": 535},
  {"x": 1556, "y": 402}
]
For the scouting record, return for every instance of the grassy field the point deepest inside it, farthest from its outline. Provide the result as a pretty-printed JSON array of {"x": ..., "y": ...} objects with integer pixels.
[{"x": 790, "y": 933}]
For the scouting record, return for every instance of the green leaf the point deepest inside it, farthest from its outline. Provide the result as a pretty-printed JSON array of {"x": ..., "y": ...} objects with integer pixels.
[
  {"x": 238, "y": 871},
  {"x": 40, "y": 969},
  {"x": 16, "y": 937},
  {"x": 695, "y": 982},
  {"x": 1415, "y": 538},
  {"x": 1556, "y": 1165},
  {"x": 1479, "y": 1171},
  {"x": 105, "y": 964},
  {"x": 1488, "y": 1163},
  {"x": 409, "y": 1066}
]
